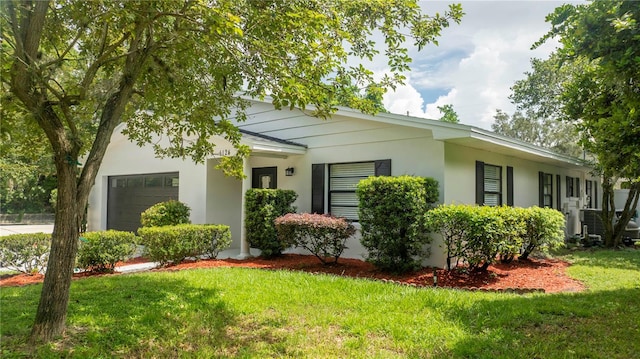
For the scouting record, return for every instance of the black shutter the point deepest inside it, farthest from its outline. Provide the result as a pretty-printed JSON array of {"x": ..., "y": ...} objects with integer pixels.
[
  {"x": 568, "y": 185},
  {"x": 509, "y": 186},
  {"x": 595, "y": 194},
  {"x": 383, "y": 168},
  {"x": 578, "y": 194},
  {"x": 317, "y": 188},
  {"x": 541, "y": 189},
  {"x": 558, "y": 189},
  {"x": 479, "y": 183}
]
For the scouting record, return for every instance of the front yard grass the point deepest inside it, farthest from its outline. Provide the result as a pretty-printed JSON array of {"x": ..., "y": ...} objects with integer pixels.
[{"x": 248, "y": 313}]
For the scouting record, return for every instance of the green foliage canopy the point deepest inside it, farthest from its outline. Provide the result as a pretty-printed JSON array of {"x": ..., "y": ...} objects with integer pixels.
[
  {"x": 604, "y": 97},
  {"x": 448, "y": 114}
]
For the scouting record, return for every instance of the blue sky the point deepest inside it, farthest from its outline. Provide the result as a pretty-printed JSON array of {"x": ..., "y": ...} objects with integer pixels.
[{"x": 476, "y": 62}]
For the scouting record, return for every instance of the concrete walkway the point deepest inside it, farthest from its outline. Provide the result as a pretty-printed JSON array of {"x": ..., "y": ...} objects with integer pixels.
[{"x": 130, "y": 268}]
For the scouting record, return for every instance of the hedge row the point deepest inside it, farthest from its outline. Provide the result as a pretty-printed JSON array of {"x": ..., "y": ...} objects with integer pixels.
[
  {"x": 100, "y": 251},
  {"x": 477, "y": 235},
  {"x": 27, "y": 253},
  {"x": 175, "y": 243}
]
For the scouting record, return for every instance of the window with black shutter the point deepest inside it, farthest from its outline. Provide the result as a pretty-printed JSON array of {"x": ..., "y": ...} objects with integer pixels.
[
  {"x": 343, "y": 180},
  {"x": 488, "y": 184}
]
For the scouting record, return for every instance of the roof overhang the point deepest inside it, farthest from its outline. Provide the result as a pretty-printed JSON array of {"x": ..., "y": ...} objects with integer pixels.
[{"x": 267, "y": 146}]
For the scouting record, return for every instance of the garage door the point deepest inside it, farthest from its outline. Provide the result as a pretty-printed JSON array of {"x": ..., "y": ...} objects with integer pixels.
[{"x": 131, "y": 195}]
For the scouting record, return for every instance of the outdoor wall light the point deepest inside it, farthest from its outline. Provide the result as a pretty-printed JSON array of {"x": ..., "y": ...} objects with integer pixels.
[{"x": 289, "y": 171}]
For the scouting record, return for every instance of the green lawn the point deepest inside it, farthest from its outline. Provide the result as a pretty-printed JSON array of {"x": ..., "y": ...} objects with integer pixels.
[{"x": 245, "y": 313}]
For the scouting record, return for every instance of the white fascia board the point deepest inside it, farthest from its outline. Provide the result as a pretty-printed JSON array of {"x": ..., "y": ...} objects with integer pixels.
[
  {"x": 276, "y": 148},
  {"x": 511, "y": 143}
]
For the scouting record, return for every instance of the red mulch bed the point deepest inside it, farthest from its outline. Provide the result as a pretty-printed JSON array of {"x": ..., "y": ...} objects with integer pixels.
[{"x": 546, "y": 275}]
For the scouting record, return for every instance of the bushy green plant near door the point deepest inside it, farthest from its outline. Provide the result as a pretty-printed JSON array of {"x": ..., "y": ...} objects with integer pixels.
[{"x": 263, "y": 206}]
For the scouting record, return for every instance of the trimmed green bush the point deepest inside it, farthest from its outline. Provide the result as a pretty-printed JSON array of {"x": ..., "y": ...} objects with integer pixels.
[
  {"x": 544, "y": 230},
  {"x": 175, "y": 243},
  {"x": 323, "y": 235},
  {"x": 26, "y": 253},
  {"x": 477, "y": 235},
  {"x": 99, "y": 251},
  {"x": 263, "y": 206},
  {"x": 391, "y": 218},
  {"x": 513, "y": 233},
  {"x": 453, "y": 223},
  {"x": 169, "y": 213}
]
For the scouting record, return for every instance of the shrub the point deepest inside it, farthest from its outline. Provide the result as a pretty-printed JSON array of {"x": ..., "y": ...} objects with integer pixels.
[
  {"x": 175, "y": 243},
  {"x": 544, "y": 230},
  {"x": 494, "y": 231},
  {"x": 26, "y": 253},
  {"x": 169, "y": 213},
  {"x": 452, "y": 222},
  {"x": 263, "y": 206},
  {"x": 510, "y": 243},
  {"x": 323, "y": 235},
  {"x": 477, "y": 235},
  {"x": 391, "y": 216},
  {"x": 99, "y": 251}
]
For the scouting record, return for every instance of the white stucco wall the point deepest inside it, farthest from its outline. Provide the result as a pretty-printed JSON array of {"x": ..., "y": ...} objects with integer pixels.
[
  {"x": 125, "y": 158},
  {"x": 459, "y": 186}
]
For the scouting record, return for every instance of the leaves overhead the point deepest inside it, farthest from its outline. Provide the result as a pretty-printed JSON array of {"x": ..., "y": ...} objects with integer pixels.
[
  {"x": 198, "y": 61},
  {"x": 603, "y": 39}
]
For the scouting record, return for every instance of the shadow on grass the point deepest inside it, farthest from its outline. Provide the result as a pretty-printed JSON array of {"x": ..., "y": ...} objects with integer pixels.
[
  {"x": 603, "y": 324},
  {"x": 142, "y": 315}
]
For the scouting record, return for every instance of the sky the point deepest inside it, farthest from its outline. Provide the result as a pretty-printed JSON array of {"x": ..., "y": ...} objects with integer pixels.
[{"x": 476, "y": 62}]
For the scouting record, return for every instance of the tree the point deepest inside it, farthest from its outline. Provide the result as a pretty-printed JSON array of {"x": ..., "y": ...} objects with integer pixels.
[
  {"x": 538, "y": 118},
  {"x": 27, "y": 174},
  {"x": 604, "y": 97},
  {"x": 169, "y": 68},
  {"x": 448, "y": 114}
]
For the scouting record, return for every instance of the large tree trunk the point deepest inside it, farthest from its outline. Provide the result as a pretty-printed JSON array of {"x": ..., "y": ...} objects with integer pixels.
[
  {"x": 29, "y": 84},
  {"x": 52, "y": 310},
  {"x": 614, "y": 226}
]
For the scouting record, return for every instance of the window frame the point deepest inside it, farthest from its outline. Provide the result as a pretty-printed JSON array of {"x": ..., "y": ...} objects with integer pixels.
[
  {"x": 499, "y": 186},
  {"x": 546, "y": 188}
]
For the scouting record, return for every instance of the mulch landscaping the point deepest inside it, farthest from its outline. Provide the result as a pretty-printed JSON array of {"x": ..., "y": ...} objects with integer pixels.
[{"x": 544, "y": 275}]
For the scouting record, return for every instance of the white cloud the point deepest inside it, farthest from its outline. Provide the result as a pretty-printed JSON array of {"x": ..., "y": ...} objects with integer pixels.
[{"x": 476, "y": 63}]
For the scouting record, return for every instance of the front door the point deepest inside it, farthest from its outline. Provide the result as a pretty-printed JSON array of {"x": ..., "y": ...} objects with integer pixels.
[{"x": 264, "y": 177}]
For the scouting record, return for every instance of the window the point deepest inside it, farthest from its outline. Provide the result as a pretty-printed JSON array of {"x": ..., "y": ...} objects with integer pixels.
[
  {"x": 573, "y": 186},
  {"x": 342, "y": 181},
  {"x": 591, "y": 190},
  {"x": 492, "y": 185},
  {"x": 546, "y": 189},
  {"x": 489, "y": 184}
]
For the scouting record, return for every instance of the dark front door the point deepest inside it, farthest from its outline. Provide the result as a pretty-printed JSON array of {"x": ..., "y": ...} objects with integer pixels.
[{"x": 264, "y": 177}]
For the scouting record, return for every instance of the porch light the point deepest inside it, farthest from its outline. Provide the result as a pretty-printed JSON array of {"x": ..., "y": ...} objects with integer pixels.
[{"x": 289, "y": 171}]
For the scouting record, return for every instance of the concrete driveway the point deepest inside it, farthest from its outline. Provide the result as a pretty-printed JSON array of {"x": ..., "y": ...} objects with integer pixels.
[{"x": 8, "y": 229}]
